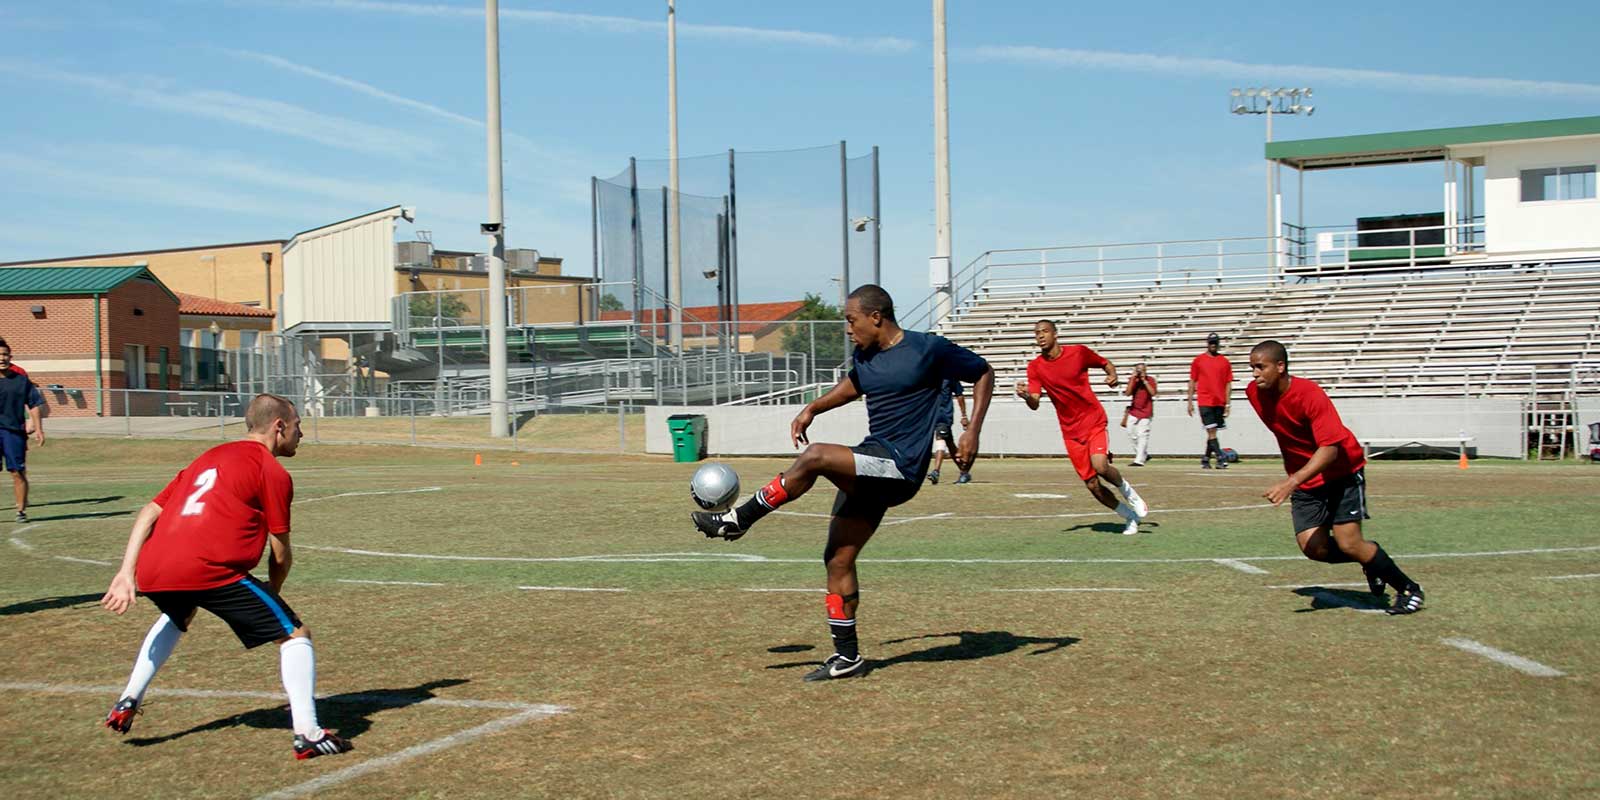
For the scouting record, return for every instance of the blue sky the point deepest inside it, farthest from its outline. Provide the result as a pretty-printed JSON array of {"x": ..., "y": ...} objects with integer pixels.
[{"x": 178, "y": 122}]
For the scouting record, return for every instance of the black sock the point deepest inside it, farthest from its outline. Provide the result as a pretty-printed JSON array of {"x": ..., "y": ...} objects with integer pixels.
[
  {"x": 842, "y": 628},
  {"x": 1384, "y": 567},
  {"x": 761, "y": 503},
  {"x": 1211, "y": 446}
]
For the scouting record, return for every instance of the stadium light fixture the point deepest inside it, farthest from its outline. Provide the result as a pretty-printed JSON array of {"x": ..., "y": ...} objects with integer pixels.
[{"x": 1267, "y": 101}]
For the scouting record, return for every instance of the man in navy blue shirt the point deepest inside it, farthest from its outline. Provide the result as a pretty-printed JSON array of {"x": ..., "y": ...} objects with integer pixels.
[
  {"x": 19, "y": 411},
  {"x": 901, "y": 373},
  {"x": 951, "y": 390}
]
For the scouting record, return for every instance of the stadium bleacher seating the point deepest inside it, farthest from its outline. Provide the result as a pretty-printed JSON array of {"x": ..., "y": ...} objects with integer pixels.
[{"x": 1511, "y": 331}]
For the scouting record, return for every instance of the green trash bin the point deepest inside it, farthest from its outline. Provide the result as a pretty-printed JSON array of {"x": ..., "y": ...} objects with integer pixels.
[{"x": 688, "y": 436}]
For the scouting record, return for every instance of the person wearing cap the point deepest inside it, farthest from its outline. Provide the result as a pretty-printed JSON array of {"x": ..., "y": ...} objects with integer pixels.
[{"x": 1211, "y": 382}]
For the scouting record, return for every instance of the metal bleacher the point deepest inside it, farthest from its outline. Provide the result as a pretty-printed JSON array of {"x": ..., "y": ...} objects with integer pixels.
[{"x": 1511, "y": 330}]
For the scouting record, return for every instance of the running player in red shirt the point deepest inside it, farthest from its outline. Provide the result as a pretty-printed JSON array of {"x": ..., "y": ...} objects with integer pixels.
[
  {"x": 1327, "y": 485},
  {"x": 193, "y": 547},
  {"x": 1063, "y": 373}
]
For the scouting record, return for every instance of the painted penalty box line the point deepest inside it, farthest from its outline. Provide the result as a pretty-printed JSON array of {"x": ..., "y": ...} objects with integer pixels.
[
  {"x": 1524, "y": 665},
  {"x": 379, "y": 698}
]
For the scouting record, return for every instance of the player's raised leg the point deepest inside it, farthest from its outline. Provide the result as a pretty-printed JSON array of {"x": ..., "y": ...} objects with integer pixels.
[{"x": 832, "y": 461}]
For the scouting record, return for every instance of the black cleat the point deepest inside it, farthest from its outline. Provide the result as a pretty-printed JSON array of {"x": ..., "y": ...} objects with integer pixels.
[
  {"x": 716, "y": 526},
  {"x": 121, "y": 717},
  {"x": 1205, "y": 465},
  {"x": 22, "y": 517},
  {"x": 1407, "y": 601},
  {"x": 330, "y": 744},
  {"x": 1222, "y": 464},
  {"x": 966, "y": 477},
  {"x": 1374, "y": 583},
  {"x": 933, "y": 477},
  {"x": 836, "y": 667}
]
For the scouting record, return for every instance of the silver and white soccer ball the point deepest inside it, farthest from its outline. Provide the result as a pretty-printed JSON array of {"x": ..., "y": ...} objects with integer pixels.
[{"x": 714, "y": 487}]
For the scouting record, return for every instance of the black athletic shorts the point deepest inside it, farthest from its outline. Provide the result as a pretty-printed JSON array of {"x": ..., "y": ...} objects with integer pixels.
[
  {"x": 876, "y": 490},
  {"x": 256, "y": 614},
  {"x": 1334, "y": 503},
  {"x": 1212, "y": 417}
]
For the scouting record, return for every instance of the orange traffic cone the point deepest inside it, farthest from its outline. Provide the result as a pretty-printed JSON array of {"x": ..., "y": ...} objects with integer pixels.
[
  {"x": 516, "y": 463},
  {"x": 1463, "y": 462},
  {"x": 477, "y": 459}
]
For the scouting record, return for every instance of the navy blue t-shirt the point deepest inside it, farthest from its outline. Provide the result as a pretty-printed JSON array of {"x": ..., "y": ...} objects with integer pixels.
[
  {"x": 948, "y": 391},
  {"x": 17, "y": 395},
  {"x": 904, "y": 387}
]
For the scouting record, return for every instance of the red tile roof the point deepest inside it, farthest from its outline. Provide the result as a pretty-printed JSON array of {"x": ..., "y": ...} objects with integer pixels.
[
  {"x": 212, "y": 307},
  {"x": 753, "y": 317}
]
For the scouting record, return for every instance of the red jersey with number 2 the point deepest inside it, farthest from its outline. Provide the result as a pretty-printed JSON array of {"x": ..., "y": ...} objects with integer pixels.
[
  {"x": 1066, "y": 380},
  {"x": 215, "y": 517}
]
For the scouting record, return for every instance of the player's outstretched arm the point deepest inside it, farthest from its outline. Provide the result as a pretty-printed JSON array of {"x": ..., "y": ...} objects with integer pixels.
[
  {"x": 1111, "y": 373},
  {"x": 982, "y": 393},
  {"x": 279, "y": 559},
  {"x": 120, "y": 596},
  {"x": 842, "y": 393}
]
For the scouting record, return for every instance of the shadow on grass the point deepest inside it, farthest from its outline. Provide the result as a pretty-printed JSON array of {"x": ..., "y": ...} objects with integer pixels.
[
  {"x": 84, "y": 515},
  {"x": 47, "y": 604},
  {"x": 96, "y": 500},
  {"x": 1324, "y": 598},
  {"x": 347, "y": 714},
  {"x": 791, "y": 648},
  {"x": 1109, "y": 527},
  {"x": 970, "y": 645}
]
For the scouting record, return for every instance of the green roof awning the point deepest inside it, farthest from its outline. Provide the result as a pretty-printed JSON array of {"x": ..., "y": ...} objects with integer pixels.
[
  {"x": 1400, "y": 147},
  {"x": 27, "y": 281}
]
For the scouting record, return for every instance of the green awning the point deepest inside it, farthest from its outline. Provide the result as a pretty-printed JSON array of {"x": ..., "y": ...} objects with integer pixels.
[{"x": 1400, "y": 147}]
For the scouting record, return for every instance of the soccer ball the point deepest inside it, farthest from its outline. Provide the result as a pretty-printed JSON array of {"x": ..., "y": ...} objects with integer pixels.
[{"x": 714, "y": 487}]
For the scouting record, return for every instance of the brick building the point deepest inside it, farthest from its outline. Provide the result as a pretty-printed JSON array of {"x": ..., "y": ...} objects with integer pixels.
[{"x": 84, "y": 333}]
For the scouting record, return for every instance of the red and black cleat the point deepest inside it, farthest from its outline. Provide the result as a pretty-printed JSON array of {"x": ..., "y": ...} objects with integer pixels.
[
  {"x": 121, "y": 717},
  {"x": 329, "y": 744}
]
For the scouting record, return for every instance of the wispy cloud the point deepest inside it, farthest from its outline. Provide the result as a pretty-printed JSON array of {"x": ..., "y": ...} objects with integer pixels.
[
  {"x": 355, "y": 85},
  {"x": 273, "y": 116},
  {"x": 622, "y": 25},
  {"x": 1281, "y": 73}
]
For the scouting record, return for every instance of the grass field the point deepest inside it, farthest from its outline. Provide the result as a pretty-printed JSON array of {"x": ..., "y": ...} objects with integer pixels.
[{"x": 1257, "y": 675}]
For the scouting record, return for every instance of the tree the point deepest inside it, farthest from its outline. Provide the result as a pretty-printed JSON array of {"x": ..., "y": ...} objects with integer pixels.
[
  {"x": 609, "y": 302},
  {"x": 423, "y": 308},
  {"x": 830, "y": 339}
]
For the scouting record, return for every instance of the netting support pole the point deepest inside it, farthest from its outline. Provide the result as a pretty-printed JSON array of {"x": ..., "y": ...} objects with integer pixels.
[
  {"x": 844, "y": 226},
  {"x": 733, "y": 242},
  {"x": 594, "y": 227},
  {"x": 877, "y": 224}
]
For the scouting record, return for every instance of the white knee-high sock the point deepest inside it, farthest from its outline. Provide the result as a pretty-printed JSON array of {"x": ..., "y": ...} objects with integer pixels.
[
  {"x": 299, "y": 668},
  {"x": 158, "y": 645}
]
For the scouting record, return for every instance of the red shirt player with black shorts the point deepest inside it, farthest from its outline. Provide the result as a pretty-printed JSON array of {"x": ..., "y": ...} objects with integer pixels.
[
  {"x": 1212, "y": 374},
  {"x": 1302, "y": 418},
  {"x": 1082, "y": 418}
]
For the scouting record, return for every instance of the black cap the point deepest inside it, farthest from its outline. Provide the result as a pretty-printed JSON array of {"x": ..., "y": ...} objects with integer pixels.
[{"x": 1211, "y": 337}]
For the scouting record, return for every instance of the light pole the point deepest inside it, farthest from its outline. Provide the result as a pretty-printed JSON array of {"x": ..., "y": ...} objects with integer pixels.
[
  {"x": 499, "y": 412},
  {"x": 675, "y": 271},
  {"x": 1269, "y": 102},
  {"x": 940, "y": 272}
]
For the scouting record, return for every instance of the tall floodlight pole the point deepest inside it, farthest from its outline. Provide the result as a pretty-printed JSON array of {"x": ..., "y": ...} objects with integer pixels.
[
  {"x": 499, "y": 413},
  {"x": 675, "y": 273},
  {"x": 1269, "y": 102},
  {"x": 941, "y": 170}
]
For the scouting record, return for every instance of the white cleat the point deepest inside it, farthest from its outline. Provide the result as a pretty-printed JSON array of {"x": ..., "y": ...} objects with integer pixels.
[
  {"x": 1132, "y": 527},
  {"x": 1134, "y": 501}
]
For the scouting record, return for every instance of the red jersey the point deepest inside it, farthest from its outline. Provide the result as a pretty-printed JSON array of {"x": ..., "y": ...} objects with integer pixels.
[
  {"x": 1066, "y": 380},
  {"x": 1211, "y": 375},
  {"x": 215, "y": 517},
  {"x": 1140, "y": 404},
  {"x": 1304, "y": 419}
]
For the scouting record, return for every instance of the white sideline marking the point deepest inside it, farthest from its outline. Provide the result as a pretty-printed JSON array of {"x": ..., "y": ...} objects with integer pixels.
[
  {"x": 1241, "y": 566},
  {"x": 393, "y": 699},
  {"x": 1040, "y": 496},
  {"x": 750, "y": 558},
  {"x": 17, "y": 542},
  {"x": 1073, "y": 589},
  {"x": 940, "y": 515},
  {"x": 1512, "y": 660},
  {"x": 1318, "y": 585},
  {"x": 567, "y": 589},
  {"x": 391, "y": 583},
  {"x": 808, "y": 591},
  {"x": 1074, "y": 515},
  {"x": 1335, "y": 600},
  {"x": 1569, "y": 577},
  {"x": 369, "y": 494}
]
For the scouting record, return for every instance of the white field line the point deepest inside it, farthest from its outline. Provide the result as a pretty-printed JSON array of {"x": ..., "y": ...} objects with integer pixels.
[
  {"x": 940, "y": 515},
  {"x": 567, "y": 589},
  {"x": 395, "y": 700},
  {"x": 1512, "y": 660},
  {"x": 318, "y": 784},
  {"x": 18, "y": 542},
  {"x": 1072, "y": 589},
  {"x": 1241, "y": 566},
  {"x": 369, "y": 494},
  {"x": 807, "y": 591},
  {"x": 1569, "y": 577},
  {"x": 390, "y": 583},
  {"x": 751, "y": 558},
  {"x": 1039, "y": 496},
  {"x": 1105, "y": 513}
]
